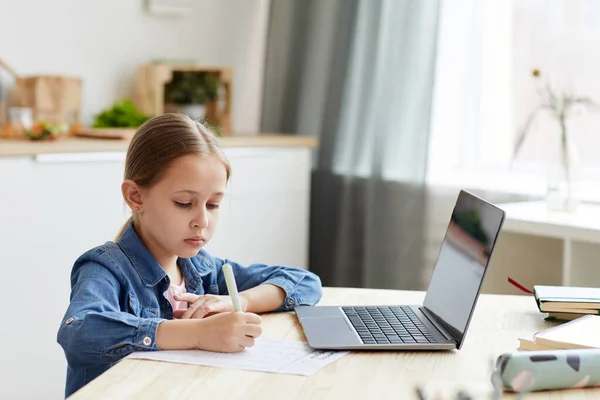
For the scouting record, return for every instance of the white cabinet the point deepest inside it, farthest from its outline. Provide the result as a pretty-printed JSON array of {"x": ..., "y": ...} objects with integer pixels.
[
  {"x": 52, "y": 210},
  {"x": 543, "y": 247},
  {"x": 54, "y": 207},
  {"x": 264, "y": 216}
]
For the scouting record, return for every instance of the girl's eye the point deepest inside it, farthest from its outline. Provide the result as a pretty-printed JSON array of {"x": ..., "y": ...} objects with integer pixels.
[
  {"x": 183, "y": 205},
  {"x": 212, "y": 206}
]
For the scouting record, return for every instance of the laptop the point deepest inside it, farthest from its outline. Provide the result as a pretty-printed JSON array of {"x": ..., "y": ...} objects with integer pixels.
[{"x": 441, "y": 322}]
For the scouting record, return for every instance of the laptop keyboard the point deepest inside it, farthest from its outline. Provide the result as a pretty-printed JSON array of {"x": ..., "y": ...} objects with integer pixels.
[{"x": 388, "y": 325}]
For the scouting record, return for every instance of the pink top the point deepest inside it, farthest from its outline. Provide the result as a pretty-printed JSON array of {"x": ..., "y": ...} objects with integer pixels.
[{"x": 172, "y": 291}]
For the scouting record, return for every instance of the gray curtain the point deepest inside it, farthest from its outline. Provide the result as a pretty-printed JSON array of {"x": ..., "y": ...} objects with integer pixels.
[{"x": 358, "y": 74}]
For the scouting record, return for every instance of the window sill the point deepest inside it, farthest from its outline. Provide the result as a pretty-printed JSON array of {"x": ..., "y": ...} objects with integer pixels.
[{"x": 532, "y": 185}]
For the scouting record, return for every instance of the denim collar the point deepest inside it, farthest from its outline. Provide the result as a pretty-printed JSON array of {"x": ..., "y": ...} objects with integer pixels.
[{"x": 147, "y": 267}]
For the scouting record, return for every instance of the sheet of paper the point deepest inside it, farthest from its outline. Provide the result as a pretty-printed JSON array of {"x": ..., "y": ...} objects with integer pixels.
[{"x": 267, "y": 355}]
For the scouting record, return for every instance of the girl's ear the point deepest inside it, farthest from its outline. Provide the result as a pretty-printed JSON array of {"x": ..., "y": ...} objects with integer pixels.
[{"x": 132, "y": 195}]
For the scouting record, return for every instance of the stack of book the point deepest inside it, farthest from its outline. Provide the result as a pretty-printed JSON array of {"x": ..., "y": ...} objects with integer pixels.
[
  {"x": 566, "y": 303},
  {"x": 580, "y": 333}
]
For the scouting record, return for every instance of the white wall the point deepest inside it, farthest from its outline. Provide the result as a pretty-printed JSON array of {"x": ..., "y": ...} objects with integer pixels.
[
  {"x": 562, "y": 38},
  {"x": 103, "y": 42}
]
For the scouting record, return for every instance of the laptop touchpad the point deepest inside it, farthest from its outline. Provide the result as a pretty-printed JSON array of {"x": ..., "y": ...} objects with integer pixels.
[
  {"x": 332, "y": 331},
  {"x": 319, "y": 312}
]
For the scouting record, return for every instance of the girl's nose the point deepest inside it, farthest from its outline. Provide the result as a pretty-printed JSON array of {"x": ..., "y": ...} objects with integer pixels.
[{"x": 201, "y": 220}]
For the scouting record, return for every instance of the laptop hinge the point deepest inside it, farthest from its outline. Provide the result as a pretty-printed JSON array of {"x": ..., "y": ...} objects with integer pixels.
[{"x": 448, "y": 331}]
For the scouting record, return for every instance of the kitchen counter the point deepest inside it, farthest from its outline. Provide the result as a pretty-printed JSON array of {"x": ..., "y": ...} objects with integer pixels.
[{"x": 14, "y": 148}]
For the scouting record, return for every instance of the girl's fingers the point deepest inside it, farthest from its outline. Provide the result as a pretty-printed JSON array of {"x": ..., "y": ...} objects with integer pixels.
[
  {"x": 200, "y": 312},
  {"x": 189, "y": 297},
  {"x": 253, "y": 330},
  {"x": 192, "y": 308},
  {"x": 211, "y": 307},
  {"x": 247, "y": 341},
  {"x": 200, "y": 306},
  {"x": 218, "y": 306}
]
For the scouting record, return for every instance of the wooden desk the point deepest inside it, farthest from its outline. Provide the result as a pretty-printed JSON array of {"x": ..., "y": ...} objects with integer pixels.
[{"x": 498, "y": 321}]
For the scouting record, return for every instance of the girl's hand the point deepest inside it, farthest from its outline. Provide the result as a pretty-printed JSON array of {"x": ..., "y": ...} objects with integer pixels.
[
  {"x": 208, "y": 304},
  {"x": 228, "y": 332}
]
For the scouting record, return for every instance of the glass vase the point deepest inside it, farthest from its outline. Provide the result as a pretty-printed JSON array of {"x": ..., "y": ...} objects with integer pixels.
[{"x": 563, "y": 174}]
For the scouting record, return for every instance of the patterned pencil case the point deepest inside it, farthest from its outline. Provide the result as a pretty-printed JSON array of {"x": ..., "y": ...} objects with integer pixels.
[{"x": 530, "y": 371}]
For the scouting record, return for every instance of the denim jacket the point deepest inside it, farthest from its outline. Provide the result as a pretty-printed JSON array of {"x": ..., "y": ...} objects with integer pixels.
[{"x": 117, "y": 300}]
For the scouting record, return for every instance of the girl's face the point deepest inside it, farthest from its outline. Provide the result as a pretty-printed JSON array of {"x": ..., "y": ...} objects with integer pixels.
[{"x": 180, "y": 212}]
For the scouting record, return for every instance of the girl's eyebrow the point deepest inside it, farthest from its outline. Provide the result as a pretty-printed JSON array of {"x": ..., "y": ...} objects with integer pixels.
[{"x": 197, "y": 193}]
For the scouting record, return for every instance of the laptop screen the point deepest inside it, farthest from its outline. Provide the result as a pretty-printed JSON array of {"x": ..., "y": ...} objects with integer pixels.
[{"x": 462, "y": 261}]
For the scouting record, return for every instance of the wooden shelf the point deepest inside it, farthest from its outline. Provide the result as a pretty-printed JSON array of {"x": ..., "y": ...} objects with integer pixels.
[{"x": 149, "y": 91}]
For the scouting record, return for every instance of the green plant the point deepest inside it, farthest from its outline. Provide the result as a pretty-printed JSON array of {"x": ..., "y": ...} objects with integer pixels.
[
  {"x": 123, "y": 114},
  {"x": 192, "y": 87}
]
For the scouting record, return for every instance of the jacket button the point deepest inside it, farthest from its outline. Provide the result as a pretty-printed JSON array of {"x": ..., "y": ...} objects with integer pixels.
[
  {"x": 67, "y": 322},
  {"x": 291, "y": 301},
  {"x": 147, "y": 341}
]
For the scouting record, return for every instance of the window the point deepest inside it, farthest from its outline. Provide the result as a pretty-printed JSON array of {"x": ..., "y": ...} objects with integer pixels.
[{"x": 485, "y": 91}]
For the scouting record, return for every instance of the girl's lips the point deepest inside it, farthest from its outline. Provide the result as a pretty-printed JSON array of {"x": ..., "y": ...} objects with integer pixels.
[{"x": 195, "y": 242}]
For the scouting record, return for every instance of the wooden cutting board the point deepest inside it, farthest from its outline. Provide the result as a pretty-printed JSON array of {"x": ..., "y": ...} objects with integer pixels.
[{"x": 108, "y": 133}]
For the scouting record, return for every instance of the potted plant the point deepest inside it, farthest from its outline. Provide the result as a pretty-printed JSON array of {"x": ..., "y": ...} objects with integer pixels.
[
  {"x": 562, "y": 173},
  {"x": 189, "y": 91}
]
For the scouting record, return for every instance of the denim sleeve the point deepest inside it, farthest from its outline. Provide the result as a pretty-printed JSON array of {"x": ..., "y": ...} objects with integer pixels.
[
  {"x": 94, "y": 329},
  {"x": 301, "y": 287}
]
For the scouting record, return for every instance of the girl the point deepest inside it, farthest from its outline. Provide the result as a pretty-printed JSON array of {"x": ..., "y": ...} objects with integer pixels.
[{"x": 154, "y": 287}]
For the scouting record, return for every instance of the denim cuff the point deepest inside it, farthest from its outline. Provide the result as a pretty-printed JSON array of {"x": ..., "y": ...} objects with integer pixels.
[
  {"x": 291, "y": 297},
  {"x": 145, "y": 338}
]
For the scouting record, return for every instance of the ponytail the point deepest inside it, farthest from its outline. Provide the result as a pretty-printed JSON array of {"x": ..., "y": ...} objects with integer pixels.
[{"x": 122, "y": 230}]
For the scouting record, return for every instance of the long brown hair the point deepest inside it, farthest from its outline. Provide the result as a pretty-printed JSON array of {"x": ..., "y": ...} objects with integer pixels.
[{"x": 159, "y": 142}]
